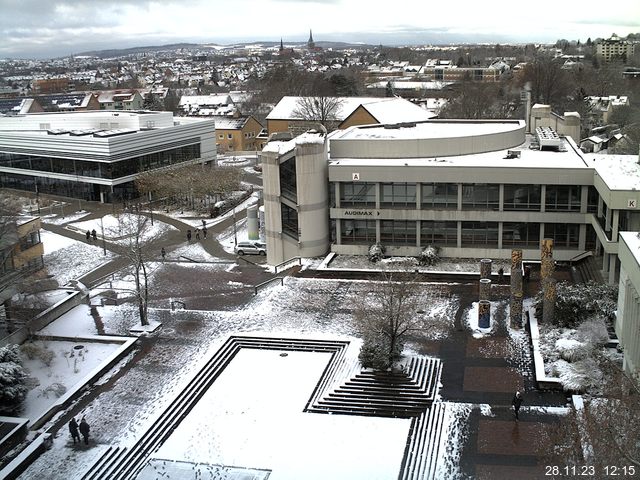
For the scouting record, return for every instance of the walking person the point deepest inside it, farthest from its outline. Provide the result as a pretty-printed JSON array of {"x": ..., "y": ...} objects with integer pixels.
[
  {"x": 163, "y": 252},
  {"x": 88, "y": 236},
  {"x": 189, "y": 236},
  {"x": 94, "y": 235},
  {"x": 204, "y": 232},
  {"x": 73, "y": 430},
  {"x": 500, "y": 274},
  {"x": 84, "y": 430},
  {"x": 197, "y": 234},
  {"x": 517, "y": 402},
  {"x": 204, "y": 224}
]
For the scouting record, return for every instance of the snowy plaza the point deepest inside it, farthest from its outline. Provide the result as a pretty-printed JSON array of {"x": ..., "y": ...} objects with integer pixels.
[{"x": 172, "y": 401}]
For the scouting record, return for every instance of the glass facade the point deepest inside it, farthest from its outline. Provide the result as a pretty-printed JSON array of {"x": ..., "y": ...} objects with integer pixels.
[
  {"x": 564, "y": 235},
  {"x": 562, "y": 198},
  {"x": 108, "y": 170},
  {"x": 522, "y": 197},
  {"x": 288, "y": 180},
  {"x": 398, "y": 232},
  {"x": 289, "y": 220},
  {"x": 484, "y": 234},
  {"x": 438, "y": 233},
  {"x": 360, "y": 194},
  {"x": 520, "y": 235},
  {"x": 398, "y": 195},
  {"x": 358, "y": 232},
  {"x": 480, "y": 196},
  {"x": 439, "y": 196}
]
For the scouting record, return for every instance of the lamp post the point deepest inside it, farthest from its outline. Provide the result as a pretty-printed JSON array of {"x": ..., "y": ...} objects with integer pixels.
[
  {"x": 104, "y": 246},
  {"x": 235, "y": 232},
  {"x": 150, "y": 209}
]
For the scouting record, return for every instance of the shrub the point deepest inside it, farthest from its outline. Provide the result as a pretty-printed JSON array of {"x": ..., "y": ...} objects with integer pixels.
[
  {"x": 429, "y": 256},
  {"x": 33, "y": 350},
  {"x": 376, "y": 252},
  {"x": 13, "y": 390}
]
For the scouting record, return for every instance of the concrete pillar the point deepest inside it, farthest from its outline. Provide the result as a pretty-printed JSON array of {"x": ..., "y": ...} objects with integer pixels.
[
  {"x": 252, "y": 223},
  {"x": 516, "y": 288},
  {"x": 612, "y": 269},
  {"x": 484, "y": 314},
  {"x": 485, "y": 268},
  {"x": 485, "y": 289},
  {"x": 516, "y": 310},
  {"x": 549, "y": 301},
  {"x": 261, "y": 230},
  {"x": 547, "y": 270}
]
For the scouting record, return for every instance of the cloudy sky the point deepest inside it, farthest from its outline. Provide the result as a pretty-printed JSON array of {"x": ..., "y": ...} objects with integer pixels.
[{"x": 44, "y": 28}]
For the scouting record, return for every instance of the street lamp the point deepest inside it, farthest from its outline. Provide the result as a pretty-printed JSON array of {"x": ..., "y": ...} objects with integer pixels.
[
  {"x": 235, "y": 231},
  {"x": 104, "y": 246}
]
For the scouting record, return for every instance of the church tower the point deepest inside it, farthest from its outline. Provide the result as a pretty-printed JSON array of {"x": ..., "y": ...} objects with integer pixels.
[
  {"x": 311, "y": 44},
  {"x": 281, "y": 46}
]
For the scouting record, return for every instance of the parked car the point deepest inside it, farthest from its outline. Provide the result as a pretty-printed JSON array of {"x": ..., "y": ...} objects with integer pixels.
[{"x": 251, "y": 248}]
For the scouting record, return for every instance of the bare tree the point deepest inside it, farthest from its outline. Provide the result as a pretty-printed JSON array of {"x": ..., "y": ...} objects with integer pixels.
[
  {"x": 134, "y": 229},
  {"x": 323, "y": 110},
  {"x": 385, "y": 315}
]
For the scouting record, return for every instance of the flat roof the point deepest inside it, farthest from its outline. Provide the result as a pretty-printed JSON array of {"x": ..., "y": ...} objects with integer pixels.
[
  {"x": 618, "y": 172},
  {"x": 528, "y": 158},
  {"x": 430, "y": 129}
]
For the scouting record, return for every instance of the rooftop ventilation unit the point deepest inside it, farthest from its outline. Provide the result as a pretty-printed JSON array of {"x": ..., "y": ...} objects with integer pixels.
[
  {"x": 547, "y": 137},
  {"x": 513, "y": 154}
]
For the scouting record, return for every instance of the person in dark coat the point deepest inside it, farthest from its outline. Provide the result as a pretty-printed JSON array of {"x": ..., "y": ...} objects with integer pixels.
[
  {"x": 88, "y": 236},
  {"x": 163, "y": 252},
  {"x": 204, "y": 232},
  {"x": 94, "y": 234},
  {"x": 516, "y": 402},
  {"x": 84, "y": 430},
  {"x": 189, "y": 235},
  {"x": 500, "y": 274},
  {"x": 73, "y": 430}
]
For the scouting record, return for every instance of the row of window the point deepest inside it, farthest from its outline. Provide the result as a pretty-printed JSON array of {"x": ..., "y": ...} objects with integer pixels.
[
  {"x": 476, "y": 196},
  {"x": 113, "y": 170},
  {"x": 485, "y": 234}
]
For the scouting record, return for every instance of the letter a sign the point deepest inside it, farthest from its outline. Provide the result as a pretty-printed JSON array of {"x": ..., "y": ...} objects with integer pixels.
[{"x": 355, "y": 176}]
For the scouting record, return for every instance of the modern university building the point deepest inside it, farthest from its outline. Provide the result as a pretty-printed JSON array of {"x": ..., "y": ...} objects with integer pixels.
[
  {"x": 97, "y": 155},
  {"x": 476, "y": 189}
]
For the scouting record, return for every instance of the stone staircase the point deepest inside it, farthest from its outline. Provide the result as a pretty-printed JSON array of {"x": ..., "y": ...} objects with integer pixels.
[
  {"x": 424, "y": 445},
  {"x": 586, "y": 270}
]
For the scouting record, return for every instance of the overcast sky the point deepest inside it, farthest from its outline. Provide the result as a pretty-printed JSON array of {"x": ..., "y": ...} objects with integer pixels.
[{"x": 44, "y": 28}]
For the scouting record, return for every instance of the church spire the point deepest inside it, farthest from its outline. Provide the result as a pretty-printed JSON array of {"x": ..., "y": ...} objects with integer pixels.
[
  {"x": 281, "y": 45},
  {"x": 311, "y": 43}
]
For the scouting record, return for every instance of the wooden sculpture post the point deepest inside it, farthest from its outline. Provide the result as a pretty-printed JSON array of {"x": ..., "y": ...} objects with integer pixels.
[{"x": 516, "y": 289}]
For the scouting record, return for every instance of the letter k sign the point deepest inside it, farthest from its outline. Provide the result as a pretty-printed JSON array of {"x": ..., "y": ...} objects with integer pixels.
[{"x": 632, "y": 203}]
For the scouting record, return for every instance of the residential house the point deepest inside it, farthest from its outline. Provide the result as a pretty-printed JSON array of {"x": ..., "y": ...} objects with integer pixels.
[
  {"x": 18, "y": 106},
  {"x": 120, "y": 100},
  {"x": 237, "y": 134},
  {"x": 350, "y": 111}
]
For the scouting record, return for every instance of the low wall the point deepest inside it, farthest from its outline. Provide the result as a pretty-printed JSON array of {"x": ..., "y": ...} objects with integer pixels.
[
  {"x": 543, "y": 382},
  {"x": 45, "y": 318}
]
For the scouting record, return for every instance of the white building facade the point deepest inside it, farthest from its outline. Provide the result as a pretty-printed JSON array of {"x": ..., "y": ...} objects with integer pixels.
[{"x": 97, "y": 155}]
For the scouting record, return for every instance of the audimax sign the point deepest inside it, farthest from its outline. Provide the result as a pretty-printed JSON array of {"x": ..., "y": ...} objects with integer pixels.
[{"x": 361, "y": 213}]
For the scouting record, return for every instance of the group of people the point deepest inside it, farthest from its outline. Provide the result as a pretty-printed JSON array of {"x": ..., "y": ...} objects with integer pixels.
[
  {"x": 92, "y": 235},
  {"x": 197, "y": 232},
  {"x": 75, "y": 430}
]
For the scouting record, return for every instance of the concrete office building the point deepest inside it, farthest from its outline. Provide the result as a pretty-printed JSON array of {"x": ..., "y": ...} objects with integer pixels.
[
  {"x": 474, "y": 188},
  {"x": 97, "y": 155}
]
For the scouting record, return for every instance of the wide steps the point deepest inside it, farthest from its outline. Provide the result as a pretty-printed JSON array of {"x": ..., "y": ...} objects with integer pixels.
[
  {"x": 424, "y": 445},
  {"x": 126, "y": 464}
]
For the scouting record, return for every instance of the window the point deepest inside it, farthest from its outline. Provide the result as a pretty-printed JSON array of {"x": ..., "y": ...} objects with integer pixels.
[
  {"x": 438, "y": 233},
  {"x": 522, "y": 197},
  {"x": 221, "y": 136},
  {"x": 398, "y": 195},
  {"x": 289, "y": 221},
  {"x": 362, "y": 232},
  {"x": 592, "y": 200},
  {"x": 230, "y": 136},
  {"x": 439, "y": 196},
  {"x": 480, "y": 234},
  {"x": 480, "y": 196},
  {"x": 288, "y": 181},
  {"x": 520, "y": 234},
  {"x": 564, "y": 235},
  {"x": 398, "y": 232},
  {"x": 562, "y": 198},
  {"x": 357, "y": 194}
]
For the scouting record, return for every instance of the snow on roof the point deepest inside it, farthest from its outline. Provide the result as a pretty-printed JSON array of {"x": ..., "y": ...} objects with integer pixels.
[
  {"x": 229, "y": 123},
  {"x": 287, "y": 105},
  {"x": 619, "y": 172},
  {"x": 633, "y": 242},
  {"x": 206, "y": 100},
  {"x": 397, "y": 110},
  {"x": 283, "y": 147}
]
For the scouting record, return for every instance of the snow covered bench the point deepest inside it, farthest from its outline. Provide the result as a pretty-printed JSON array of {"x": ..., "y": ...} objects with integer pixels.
[{"x": 543, "y": 382}]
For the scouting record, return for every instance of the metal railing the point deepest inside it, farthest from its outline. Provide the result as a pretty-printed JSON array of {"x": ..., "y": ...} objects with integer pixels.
[
  {"x": 260, "y": 285},
  {"x": 292, "y": 259}
]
